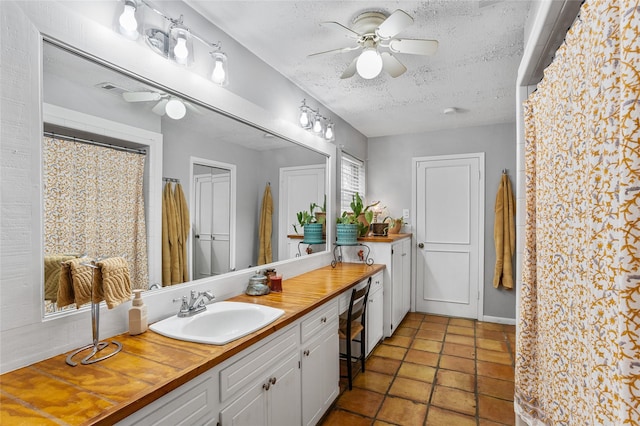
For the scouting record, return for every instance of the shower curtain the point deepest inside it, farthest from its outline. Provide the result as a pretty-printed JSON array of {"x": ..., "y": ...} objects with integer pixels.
[
  {"x": 94, "y": 204},
  {"x": 578, "y": 344}
]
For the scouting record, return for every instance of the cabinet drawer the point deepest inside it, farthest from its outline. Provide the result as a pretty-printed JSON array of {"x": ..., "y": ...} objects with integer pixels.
[
  {"x": 256, "y": 364},
  {"x": 191, "y": 403},
  {"x": 343, "y": 299},
  {"x": 318, "y": 320},
  {"x": 376, "y": 283}
]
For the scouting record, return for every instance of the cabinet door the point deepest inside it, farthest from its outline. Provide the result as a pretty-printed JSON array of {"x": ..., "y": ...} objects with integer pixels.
[
  {"x": 396, "y": 286},
  {"x": 375, "y": 313},
  {"x": 250, "y": 408},
  {"x": 273, "y": 401},
  {"x": 284, "y": 395},
  {"x": 320, "y": 375},
  {"x": 406, "y": 276}
]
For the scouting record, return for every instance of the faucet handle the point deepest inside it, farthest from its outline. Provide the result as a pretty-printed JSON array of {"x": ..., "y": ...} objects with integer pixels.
[{"x": 184, "y": 307}]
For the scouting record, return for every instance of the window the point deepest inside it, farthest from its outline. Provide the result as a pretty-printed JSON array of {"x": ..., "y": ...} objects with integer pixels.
[{"x": 352, "y": 180}]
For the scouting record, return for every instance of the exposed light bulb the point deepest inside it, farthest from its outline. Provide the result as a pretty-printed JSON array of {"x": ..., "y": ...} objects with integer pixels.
[
  {"x": 219, "y": 74},
  {"x": 128, "y": 22},
  {"x": 328, "y": 134},
  {"x": 369, "y": 63},
  {"x": 304, "y": 120},
  {"x": 175, "y": 109},
  {"x": 317, "y": 124},
  {"x": 180, "y": 51}
]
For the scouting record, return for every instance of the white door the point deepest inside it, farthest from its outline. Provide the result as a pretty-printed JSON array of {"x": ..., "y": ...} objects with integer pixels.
[
  {"x": 299, "y": 187},
  {"x": 449, "y": 211},
  {"x": 212, "y": 225}
]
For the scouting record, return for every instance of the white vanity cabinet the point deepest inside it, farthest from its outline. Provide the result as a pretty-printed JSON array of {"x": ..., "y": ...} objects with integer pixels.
[
  {"x": 375, "y": 312},
  {"x": 289, "y": 378},
  {"x": 263, "y": 386},
  {"x": 320, "y": 362},
  {"x": 395, "y": 254}
]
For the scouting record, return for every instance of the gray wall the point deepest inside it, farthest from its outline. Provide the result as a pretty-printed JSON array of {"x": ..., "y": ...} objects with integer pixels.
[{"x": 389, "y": 180}]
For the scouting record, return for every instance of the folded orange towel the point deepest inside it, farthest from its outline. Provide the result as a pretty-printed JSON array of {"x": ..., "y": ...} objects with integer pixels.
[
  {"x": 75, "y": 283},
  {"x": 112, "y": 281}
]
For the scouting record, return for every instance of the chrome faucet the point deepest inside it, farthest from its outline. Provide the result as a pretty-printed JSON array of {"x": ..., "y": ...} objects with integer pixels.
[{"x": 196, "y": 304}]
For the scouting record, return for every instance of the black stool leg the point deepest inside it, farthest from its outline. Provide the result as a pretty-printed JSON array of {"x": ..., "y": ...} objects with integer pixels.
[
  {"x": 362, "y": 349},
  {"x": 349, "y": 367}
]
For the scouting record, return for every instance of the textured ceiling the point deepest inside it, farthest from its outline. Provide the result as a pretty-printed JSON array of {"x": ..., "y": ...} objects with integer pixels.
[{"x": 474, "y": 69}]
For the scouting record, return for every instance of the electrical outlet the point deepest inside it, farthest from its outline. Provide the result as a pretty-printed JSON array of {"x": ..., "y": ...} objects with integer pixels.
[{"x": 405, "y": 213}]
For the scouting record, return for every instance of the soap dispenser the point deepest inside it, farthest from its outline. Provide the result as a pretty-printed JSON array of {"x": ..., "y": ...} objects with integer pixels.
[{"x": 137, "y": 314}]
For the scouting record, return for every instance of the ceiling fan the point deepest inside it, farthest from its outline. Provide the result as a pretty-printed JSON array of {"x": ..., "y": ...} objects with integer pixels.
[
  {"x": 166, "y": 104},
  {"x": 373, "y": 30}
]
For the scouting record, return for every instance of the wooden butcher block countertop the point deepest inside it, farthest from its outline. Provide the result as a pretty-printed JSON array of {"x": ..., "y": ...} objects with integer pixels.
[{"x": 151, "y": 365}]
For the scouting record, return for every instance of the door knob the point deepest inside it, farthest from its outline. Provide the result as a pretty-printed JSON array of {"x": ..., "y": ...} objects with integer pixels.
[{"x": 420, "y": 245}]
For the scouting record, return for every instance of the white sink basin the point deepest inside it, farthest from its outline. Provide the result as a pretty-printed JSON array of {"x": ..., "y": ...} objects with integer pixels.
[{"x": 221, "y": 323}]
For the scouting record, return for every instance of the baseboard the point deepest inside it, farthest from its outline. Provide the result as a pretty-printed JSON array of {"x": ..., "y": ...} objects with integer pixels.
[{"x": 499, "y": 320}]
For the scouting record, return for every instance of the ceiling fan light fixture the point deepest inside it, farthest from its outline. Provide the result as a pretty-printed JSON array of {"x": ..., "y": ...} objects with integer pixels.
[
  {"x": 369, "y": 63},
  {"x": 175, "y": 109}
]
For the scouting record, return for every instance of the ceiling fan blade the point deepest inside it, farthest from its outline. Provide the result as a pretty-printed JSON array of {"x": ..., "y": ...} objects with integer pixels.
[
  {"x": 159, "y": 108},
  {"x": 351, "y": 69},
  {"x": 192, "y": 107},
  {"x": 141, "y": 96},
  {"x": 396, "y": 22},
  {"x": 340, "y": 50},
  {"x": 413, "y": 47},
  {"x": 347, "y": 32},
  {"x": 391, "y": 65}
]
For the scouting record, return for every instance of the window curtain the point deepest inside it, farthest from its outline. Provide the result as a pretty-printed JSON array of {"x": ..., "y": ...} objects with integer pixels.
[
  {"x": 578, "y": 344},
  {"x": 94, "y": 204}
]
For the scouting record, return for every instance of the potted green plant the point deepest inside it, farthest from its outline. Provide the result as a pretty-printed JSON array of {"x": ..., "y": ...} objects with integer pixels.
[
  {"x": 363, "y": 214},
  {"x": 394, "y": 224},
  {"x": 347, "y": 229},
  {"x": 312, "y": 230},
  {"x": 321, "y": 216}
]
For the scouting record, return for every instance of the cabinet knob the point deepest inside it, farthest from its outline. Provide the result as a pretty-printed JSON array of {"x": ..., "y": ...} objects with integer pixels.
[
  {"x": 266, "y": 386},
  {"x": 323, "y": 319},
  {"x": 420, "y": 245},
  {"x": 273, "y": 380},
  {"x": 306, "y": 352}
]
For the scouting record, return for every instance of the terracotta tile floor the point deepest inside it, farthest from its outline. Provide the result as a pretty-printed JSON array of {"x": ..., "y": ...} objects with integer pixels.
[{"x": 435, "y": 370}]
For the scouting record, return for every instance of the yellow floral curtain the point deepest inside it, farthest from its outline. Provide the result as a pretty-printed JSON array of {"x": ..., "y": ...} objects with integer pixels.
[
  {"x": 94, "y": 204},
  {"x": 578, "y": 344}
]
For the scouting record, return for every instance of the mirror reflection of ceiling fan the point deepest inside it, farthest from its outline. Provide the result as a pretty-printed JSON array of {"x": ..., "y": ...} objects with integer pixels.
[
  {"x": 373, "y": 30},
  {"x": 165, "y": 104}
]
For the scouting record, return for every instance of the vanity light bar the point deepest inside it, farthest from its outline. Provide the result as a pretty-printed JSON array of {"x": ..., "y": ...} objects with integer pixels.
[
  {"x": 311, "y": 119},
  {"x": 175, "y": 44}
]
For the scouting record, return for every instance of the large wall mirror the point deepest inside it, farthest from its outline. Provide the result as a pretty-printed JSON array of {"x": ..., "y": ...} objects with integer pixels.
[{"x": 224, "y": 167}]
